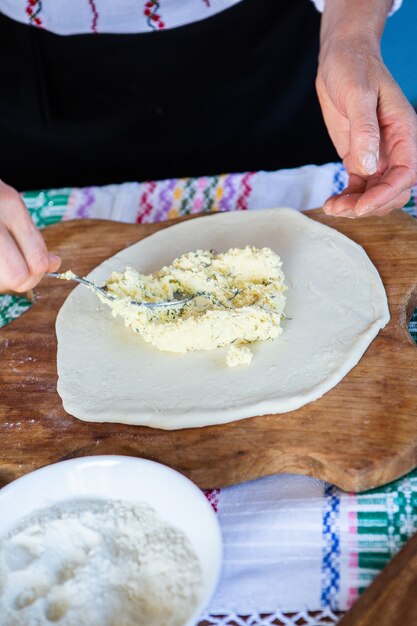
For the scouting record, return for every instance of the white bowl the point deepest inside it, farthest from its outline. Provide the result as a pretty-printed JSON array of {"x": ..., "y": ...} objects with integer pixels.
[{"x": 175, "y": 498}]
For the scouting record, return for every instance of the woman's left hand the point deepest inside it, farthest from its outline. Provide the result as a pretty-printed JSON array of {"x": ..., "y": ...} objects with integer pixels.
[{"x": 372, "y": 125}]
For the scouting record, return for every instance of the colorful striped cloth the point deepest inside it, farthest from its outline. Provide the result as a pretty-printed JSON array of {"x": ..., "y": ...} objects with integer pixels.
[{"x": 293, "y": 545}]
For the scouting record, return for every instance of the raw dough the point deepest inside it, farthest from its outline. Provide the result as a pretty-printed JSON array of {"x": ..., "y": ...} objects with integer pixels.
[{"x": 336, "y": 304}]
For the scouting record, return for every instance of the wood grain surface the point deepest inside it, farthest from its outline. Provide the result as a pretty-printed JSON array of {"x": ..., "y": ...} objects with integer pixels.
[
  {"x": 391, "y": 600},
  {"x": 361, "y": 434}
]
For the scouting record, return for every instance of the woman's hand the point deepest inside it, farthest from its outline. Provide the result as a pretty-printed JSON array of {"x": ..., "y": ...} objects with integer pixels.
[
  {"x": 24, "y": 258},
  {"x": 371, "y": 123}
]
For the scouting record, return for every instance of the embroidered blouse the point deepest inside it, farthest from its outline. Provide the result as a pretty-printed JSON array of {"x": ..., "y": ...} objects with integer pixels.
[{"x": 67, "y": 17}]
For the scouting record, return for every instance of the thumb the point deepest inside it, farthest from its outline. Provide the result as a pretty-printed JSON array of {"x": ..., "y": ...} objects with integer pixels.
[
  {"x": 364, "y": 134},
  {"x": 54, "y": 262}
]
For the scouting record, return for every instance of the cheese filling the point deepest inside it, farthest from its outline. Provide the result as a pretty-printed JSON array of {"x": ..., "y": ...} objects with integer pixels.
[{"x": 237, "y": 297}]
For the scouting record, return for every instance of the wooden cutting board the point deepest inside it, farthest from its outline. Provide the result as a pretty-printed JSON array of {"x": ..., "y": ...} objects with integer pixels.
[{"x": 361, "y": 434}]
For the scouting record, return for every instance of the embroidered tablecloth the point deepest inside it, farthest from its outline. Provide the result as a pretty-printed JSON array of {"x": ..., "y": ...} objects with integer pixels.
[{"x": 292, "y": 545}]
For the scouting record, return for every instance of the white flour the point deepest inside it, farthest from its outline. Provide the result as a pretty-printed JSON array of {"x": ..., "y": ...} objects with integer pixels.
[{"x": 97, "y": 563}]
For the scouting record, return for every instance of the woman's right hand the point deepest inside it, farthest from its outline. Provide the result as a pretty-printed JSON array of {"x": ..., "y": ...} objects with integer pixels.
[{"x": 24, "y": 258}]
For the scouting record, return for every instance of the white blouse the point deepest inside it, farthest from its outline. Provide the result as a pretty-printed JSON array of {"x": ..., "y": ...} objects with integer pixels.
[{"x": 68, "y": 17}]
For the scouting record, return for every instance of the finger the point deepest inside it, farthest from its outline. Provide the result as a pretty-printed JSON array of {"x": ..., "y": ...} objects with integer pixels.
[
  {"x": 350, "y": 204},
  {"x": 54, "y": 262},
  {"x": 344, "y": 202},
  {"x": 364, "y": 136},
  {"x": 30, "y": 242},
  {"x": 346, "y": 199},
  {"x": 14, "y": 270},
  {"x": 398, "y": 203},
  {"x": 328, "y": 205},
  {"x": 18, "y": 221},
  {"x": 356, "y": 184},
  {"x": 23, "y": 243},
  {"x": 396, "y": 181},
  {"x": 341, "y": 203},
  {"x": 346, "y": 213}
]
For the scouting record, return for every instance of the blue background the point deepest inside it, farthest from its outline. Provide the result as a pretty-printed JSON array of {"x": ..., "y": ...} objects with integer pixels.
[{"x": 399, "y": 48}]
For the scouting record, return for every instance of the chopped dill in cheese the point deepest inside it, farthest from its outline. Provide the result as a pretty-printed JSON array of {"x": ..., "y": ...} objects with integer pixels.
[{"x": 238, "y": 297}]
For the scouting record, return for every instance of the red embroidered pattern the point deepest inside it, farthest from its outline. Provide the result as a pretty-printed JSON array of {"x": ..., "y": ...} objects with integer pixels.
[
  {"x": 145, "y": 202},
  {"x": 95, "y": 15},
  {"x": 154, "y": 19},
  {"x": 212, "y": 496},
  {"x": 242, "y": 202},
  {"x": 33, "y": 9}
]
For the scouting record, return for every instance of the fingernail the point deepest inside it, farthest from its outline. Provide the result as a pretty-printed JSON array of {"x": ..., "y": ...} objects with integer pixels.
[
  {"x": 54, "y": 258},
  {"x": 339, "y": 210},
  {"x": 369, "y": 162},
  {"x": 365, "y": 210}
]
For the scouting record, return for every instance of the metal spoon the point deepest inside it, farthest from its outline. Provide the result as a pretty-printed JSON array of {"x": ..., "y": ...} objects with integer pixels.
[{"x": 180, "y": 298}]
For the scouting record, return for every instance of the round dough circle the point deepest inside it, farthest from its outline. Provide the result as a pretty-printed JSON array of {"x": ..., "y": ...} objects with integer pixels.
[{"x": 336, "y": 304}]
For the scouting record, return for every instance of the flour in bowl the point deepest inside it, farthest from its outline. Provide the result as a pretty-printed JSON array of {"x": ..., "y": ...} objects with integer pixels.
[{"x": 97, "y": 563}]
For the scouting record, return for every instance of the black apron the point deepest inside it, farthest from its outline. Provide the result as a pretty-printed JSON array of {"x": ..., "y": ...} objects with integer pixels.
[{"x": 234, "y": 92}]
